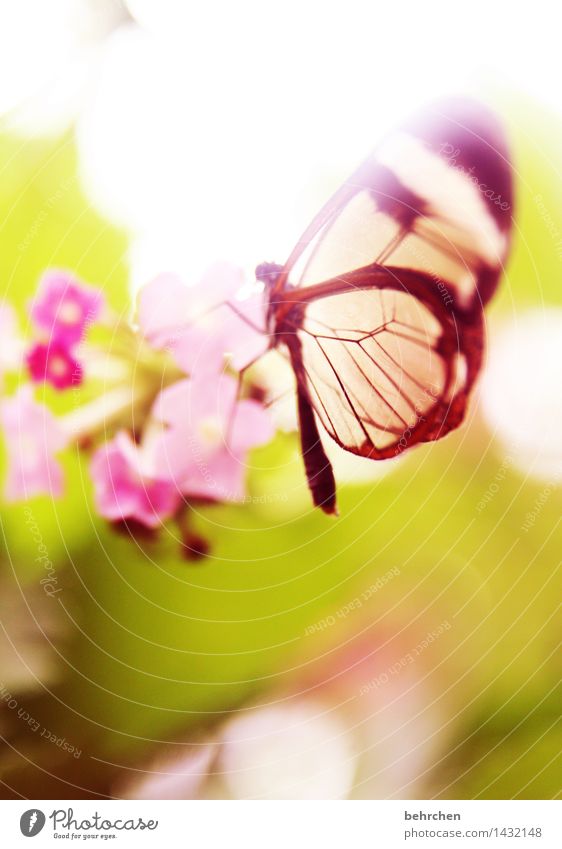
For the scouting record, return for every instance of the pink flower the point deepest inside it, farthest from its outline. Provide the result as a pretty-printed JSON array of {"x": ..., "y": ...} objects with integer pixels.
[
  {"x": 54, "y": 364},
  {"x": 64, "y": 307},
  {"x": 126, "y": 485},
  {"x": 204, "y": 326},
  {"x": 33, "y": 436},
  {"x": 11, "y": 344},
  {"x": 208, "y": 435}
]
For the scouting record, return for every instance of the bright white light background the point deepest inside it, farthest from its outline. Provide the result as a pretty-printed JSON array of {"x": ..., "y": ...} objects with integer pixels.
[{"x": 214, "y": 130}]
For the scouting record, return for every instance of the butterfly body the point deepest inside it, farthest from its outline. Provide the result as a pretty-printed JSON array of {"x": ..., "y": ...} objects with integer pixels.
[{"x": 380, "y": 305}]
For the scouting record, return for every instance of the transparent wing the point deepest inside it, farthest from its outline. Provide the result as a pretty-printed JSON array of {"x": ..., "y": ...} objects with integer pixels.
[
  {"x": 382, "y": 362},
  {"x": 435, "y": 197}
]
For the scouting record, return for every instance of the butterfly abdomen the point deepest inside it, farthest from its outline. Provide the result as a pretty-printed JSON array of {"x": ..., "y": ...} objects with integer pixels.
[{"x": 318, "y": 468}]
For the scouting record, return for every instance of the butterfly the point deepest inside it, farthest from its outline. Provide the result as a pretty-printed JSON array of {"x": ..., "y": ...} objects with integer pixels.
[{"x": 380, "y": 304}]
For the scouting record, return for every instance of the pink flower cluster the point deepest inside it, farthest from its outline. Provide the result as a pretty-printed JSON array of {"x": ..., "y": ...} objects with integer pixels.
[
  {"x": 170, "y": 426},
  {"x": 61, "y": 313}
]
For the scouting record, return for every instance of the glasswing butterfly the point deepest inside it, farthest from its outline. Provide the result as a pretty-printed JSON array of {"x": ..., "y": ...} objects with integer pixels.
[{"x": 380, "y": 304}]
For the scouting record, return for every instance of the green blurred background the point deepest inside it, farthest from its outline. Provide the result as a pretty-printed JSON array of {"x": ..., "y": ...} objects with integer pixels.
[{"x": 147, "y": 646}]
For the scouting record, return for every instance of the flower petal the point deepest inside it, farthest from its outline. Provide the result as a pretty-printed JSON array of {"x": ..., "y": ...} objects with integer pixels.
[
  {"x": 164, "y": 308},
  {"x": 53, "y": 363},
  {"x": 33, "y": 436},
  {"x": 122, "y": 488},
  {"x": 64, "y": 307},
  {"x": 219, "y": 478},
  {"x": 11, "y": 344},
  {"x": 252, "y": 426}
]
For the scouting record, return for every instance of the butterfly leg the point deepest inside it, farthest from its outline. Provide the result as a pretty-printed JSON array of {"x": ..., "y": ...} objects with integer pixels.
[
  {"x": 243, "y": 317},
  {"x": 238, "y": 395}
]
